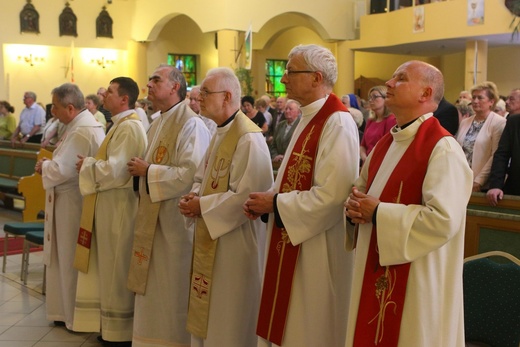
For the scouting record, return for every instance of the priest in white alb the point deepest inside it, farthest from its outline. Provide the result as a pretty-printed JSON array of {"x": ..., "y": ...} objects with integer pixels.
[
  {"x": 228, "y": 248},
  {"x": 112, "y": 214},
  {"x": 308, "y": 272},
  {"x": 63, "y": 199},
  {"x": 162, "y": 247},
  {"x": 410, "y": 203}
]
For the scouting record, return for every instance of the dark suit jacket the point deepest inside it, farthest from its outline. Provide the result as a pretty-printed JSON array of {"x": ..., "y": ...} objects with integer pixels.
[
  {"x": 448, "y": 116},
  {"x": 274, "y": 122},
  {"x": 506, "y": 159},
  {"x": 280, "y": 140}
]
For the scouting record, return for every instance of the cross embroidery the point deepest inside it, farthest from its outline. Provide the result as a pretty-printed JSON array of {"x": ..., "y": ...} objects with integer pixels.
[
  {"x": 200, "y": 285},
  {"x": 140, "y": 256},
  {"x": 84, "y": 238}
]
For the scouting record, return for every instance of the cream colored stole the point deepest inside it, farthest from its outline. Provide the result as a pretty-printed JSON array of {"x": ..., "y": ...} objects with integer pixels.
[
  {"x": 204, "y": 248},
  {"x": 148, "y": 212},
  {"x": 82, "y": 256}
]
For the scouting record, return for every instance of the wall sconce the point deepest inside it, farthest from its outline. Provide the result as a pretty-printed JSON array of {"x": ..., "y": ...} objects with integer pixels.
[
  {"x": 31, "y": 60},
  {"x": 102, "y": 62}
]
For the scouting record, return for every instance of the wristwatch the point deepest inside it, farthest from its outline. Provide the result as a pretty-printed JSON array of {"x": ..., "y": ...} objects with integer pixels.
[{"x": 28, "y": 135}]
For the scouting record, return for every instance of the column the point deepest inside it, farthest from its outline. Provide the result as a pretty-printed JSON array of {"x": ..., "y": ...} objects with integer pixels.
[
  {"x": 345, "y": 59},
  {"x": 229, "y": 44},
  {"x": 476, "y": 63}
]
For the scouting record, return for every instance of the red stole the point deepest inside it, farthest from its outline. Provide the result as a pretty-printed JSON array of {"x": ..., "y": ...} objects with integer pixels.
[
  {"x": 384, "y": 287},
  {"x": 282, "y": 255}
]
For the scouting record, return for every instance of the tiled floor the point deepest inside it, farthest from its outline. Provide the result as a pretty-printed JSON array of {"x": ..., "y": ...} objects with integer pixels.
[{"x": 23, "y": 321}]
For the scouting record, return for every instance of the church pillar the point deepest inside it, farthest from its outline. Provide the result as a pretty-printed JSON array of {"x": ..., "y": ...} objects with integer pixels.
[
  {"x": 228, "y": 45},
  {"x": 345, "y": 60},
  {"x": 137, "y": 65},
  {"x": 476, "y": 63}
]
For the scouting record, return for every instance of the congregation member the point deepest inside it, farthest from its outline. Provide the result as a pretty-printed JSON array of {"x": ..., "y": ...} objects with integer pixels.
[
  {"x": 7, "y": 120},
  {"x": 407, "y": 287},
  {"x": 92, "y": 103},
  {"x": 249, "y": 110},
  {"x": 278, "y": 116},
  {"x": 464, "y": 110},
  {"x": 447, "y": 114},
  {"x": 261, "y": 106},
  {"x": 108, "y": 220},
  {"x": 101, "y": 108},
  {"x": 357, "y": 115},
  {"x": 228, "y": 248},
  {"x": 505, "y": 170},
  {"x": 32, "y": 121},
  {"x": 63, "y": 200},
  {"x": 305, "y": 207},
  {"x": 479, "y": 134},
  {"x": 464, "y": 95},
  {"x": 162, "y": 249},
  {"x": 52, "y": 132},
  {"x": 379, "y": 122},
  {"x": 284, "y": 132},
  {"x": 195, "y": 106}
]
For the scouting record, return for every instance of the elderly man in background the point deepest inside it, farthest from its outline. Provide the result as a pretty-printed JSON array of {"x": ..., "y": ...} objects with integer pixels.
[
  {"x": 284, "y": 131},
  {"x": 63, "y": 201},
  {"x": 410, "y": 203},
  {"x": 277, "y": 117},
  {"x": 32, "y": 121},
  {"x": 162, "y": 250},
  {"x": 228, "y": 248},
  {"x": 306, "y": 257},
  {"x": 195, "y": 106}
]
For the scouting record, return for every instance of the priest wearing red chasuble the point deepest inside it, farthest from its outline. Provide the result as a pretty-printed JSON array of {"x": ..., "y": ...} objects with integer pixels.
[
  {"x": 307, "y": 280},
  {"x": 410, "y": 206}
]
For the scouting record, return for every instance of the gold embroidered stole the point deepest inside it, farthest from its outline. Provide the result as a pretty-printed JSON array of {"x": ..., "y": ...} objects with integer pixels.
[
  {"x": 82, "y": 256},
  {"x": 204, "y": 248},
  {"x": 282, "y": 255},
  {"x": 164, "y": 149},
  {"x": 384, "y": 287}
]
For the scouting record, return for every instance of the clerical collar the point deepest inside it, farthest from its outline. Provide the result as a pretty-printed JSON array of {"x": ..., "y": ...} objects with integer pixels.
[
  {"x": 172, "y": 107},
  {"x": 229, "y": 120},
  {"x": 407, "y": 124}
]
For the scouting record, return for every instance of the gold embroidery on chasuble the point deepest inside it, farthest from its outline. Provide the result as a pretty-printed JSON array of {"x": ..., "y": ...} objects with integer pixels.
[
  {"x": 205, "y": 248},
  {"x": 161, "y": 151}
]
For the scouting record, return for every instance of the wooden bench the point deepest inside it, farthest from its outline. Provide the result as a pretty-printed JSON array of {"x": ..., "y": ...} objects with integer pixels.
[
  {"x": 16, "y": 163},
  {"x": 491, "y": 228}
]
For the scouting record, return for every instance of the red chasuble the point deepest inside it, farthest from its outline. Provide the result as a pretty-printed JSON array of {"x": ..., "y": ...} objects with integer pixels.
[
  {"x": 384, "y": 287},
  {"x": 282, "y": 255}
]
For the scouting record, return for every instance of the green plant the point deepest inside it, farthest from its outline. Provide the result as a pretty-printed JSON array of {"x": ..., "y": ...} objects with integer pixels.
[
  {"x": 514, "y": 7},
  {"x": 246, "y": 80}
]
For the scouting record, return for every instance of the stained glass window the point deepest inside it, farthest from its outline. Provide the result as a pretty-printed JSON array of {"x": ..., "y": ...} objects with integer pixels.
[
  {"x": 273, "y": 74},
  {"x": 187, "y": 64}
]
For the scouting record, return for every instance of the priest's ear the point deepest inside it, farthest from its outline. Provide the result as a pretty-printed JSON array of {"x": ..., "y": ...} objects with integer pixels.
[{"x": 427, "y": 94}]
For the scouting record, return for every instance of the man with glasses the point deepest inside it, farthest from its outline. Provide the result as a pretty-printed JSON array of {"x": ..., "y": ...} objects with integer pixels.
[
  {"x": 307, "y": 278},
  {"x": 229, "y": 248},
  {"x": 32, "y": 121},
  {"x": 505, "y": 169},
  {"x": 161, "y": 255}
]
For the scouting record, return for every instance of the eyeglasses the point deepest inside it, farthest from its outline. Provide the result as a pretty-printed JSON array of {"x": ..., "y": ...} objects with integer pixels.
[
  {"x": 291, "y": 72},
  {"x": 204, "y": 93},
  {"x": 374, "y": 97}
]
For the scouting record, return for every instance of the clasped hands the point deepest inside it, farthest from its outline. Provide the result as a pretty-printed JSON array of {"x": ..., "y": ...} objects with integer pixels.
[
  {"x": 190, "y": 205},
  {"x": 360, "y": 207}
]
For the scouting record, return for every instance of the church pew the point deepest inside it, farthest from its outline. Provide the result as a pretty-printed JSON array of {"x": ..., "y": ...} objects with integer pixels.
[{"x": 491, "y": 228}]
